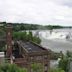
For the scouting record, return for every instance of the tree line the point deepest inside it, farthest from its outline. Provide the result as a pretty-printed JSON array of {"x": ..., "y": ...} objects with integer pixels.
[{"x": 28, "y": 26}]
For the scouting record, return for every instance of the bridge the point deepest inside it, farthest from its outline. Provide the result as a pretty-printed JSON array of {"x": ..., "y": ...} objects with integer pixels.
[{"x": 27, "y": 53}]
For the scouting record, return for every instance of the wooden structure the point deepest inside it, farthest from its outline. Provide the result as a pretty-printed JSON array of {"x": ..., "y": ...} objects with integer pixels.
[
  {"x": 25, "y": 54},
  {"x": 9, "y": 40},
  {"x": 2, "y": 37},
  {"x": 33, "y": 53}
]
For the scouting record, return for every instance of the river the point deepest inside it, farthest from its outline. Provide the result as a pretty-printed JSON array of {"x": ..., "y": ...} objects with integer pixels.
[{"x": 57, "y": 45}]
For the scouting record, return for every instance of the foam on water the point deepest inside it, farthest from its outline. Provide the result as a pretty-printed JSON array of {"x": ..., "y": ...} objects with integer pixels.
[
  {"x": 56, "y": 41},
  {"x": 54, "y": 35}
]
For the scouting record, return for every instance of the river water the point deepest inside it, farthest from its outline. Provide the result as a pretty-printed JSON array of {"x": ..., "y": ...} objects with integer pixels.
[
  {"x": 57, "y": 45},
  {"x": 56, "y": 41}
]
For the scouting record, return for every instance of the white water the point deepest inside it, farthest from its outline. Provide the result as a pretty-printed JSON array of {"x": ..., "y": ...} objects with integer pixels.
[
  {"x": 55, "y": 34},
  {"x": 56, "y": 41}
]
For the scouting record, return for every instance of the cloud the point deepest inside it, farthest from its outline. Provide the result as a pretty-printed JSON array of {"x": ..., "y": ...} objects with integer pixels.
[
  {"x": 63, "y": 2},
  {"x": 36, "y": 11}
]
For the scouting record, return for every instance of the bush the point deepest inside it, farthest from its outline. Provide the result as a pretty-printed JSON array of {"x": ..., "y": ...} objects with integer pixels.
[
  {"x": 37, "y": 67},
  {"x": 11, "y": 68},
  {"x": 56, "y": 70},
  {"x": 63, "y": 64},
  {"x": 26, "y": 37}
]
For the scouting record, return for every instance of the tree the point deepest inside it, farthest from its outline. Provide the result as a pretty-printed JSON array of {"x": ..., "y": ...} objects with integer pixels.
[
  {"x": 36, "y": 40},
  {"x": 22, "y": 27},
  {"x": 30, "y": 36}
]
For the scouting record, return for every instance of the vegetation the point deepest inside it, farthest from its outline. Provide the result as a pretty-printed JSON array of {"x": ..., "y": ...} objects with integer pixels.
[
  {"x": 11, "y": 68},
  {"x": 69, "y": 54},
  {"x": 37, "y": 67},
  {"x": 26, "y": 26},
  {"x": 2, "y": 31},
  {"x": 56, "y": 70},
  {"x": 20, "y": 27},
  {"x": 23, "y": 26},
  {"x": 50, "y": 27},
  {"x": 26, "y": 37},
  {"x": 64, "y": 62}
]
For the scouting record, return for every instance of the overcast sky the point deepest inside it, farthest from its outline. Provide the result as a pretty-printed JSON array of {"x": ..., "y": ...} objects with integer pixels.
[{"x": 55, "y": 12}]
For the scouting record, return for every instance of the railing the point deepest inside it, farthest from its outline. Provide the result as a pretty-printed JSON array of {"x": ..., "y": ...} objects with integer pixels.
[
  {"x": 16, "y": 60},
  {"x": 7, "y": 60},
  {"x": 20, "y": 60}
]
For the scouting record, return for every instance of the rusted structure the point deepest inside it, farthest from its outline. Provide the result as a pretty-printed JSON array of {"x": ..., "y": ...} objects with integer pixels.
[
  {"x": 33, "y": 53},
  {"x": 25, "y": 54},
  {"x": 9, "y": 40}
]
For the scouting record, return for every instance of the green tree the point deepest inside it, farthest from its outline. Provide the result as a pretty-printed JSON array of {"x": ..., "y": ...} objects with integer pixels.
[
  {"x": 36, "y": 40},
  {"x": 30, "y": 36}
]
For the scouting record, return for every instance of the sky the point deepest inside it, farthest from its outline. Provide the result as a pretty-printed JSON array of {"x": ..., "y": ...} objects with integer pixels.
[{"x": 44, "y": 12}]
